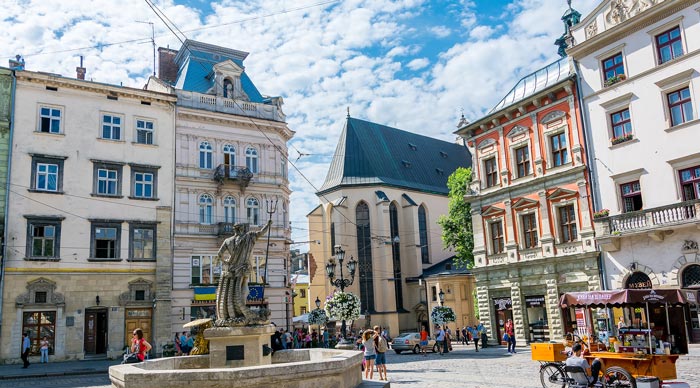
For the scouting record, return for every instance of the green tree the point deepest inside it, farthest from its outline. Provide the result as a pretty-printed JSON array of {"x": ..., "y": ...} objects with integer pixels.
[{"x": 457, "y": 233}]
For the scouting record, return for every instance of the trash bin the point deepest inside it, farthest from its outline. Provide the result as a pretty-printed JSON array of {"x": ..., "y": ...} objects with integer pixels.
[{"x": 647, "y": 382}]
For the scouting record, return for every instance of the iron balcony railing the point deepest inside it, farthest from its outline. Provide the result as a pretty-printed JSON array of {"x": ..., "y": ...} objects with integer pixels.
[
  {"x": 240, "y": 174},
  {"x": 670, "y": 215}
]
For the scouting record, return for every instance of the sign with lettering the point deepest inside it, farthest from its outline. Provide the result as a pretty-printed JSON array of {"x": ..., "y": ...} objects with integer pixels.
[
  {"x": 503, "y": 303},
  {"x": 534, "y": 301}
]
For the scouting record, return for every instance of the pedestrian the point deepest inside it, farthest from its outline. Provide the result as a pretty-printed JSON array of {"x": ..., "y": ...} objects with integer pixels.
[
  {"x": 474, "y": 331},
  {"x": 441, "y": 339},
  {"x": 370, "y": 353},
  {"x": 381, "y": 346},
  {"x": 26, "y": 346},
  {"x": 510, "y": 332},
  {"x": 448, "y": 339},
  {"x": 44, "y": 348},
  {"x": 178, "y": 345},
  {"x": 465, "y": 340},
  {"x": 190, "y": 343},
  {"x": 484, "y": 337},
  {"x": 183, "y": 344},
  {"x": 424, "y": 341},
  {"x": 139, "y": 345},
  {"x": 326, "y": 338}
]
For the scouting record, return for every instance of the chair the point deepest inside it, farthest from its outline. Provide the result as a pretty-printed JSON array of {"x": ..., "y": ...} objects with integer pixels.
[{"x": 576, "y": 377}]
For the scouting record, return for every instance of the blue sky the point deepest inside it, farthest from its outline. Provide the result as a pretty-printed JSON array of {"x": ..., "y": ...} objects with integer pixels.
[{"x": 411, "y": 64}]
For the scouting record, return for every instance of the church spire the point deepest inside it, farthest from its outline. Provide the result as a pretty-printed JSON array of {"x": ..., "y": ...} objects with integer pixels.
[{"x": 570, "y": 18}]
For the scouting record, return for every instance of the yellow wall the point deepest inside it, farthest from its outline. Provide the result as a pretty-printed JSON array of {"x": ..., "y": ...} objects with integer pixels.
[{"x": 301, "y": 301}]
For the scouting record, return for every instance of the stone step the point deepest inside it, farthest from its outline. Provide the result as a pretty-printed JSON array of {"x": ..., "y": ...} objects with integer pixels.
[{"x": 374, "y": 384}]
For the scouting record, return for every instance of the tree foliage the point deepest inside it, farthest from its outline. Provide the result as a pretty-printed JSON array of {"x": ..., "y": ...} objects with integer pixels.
[{"x": 457, "y": 233}]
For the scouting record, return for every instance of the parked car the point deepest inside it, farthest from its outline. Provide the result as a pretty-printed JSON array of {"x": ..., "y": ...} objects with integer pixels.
[{"x": 411, "y": 341}]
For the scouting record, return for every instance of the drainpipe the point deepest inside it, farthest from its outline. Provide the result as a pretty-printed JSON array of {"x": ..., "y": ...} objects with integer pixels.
[{"x": 7, "y": 195}]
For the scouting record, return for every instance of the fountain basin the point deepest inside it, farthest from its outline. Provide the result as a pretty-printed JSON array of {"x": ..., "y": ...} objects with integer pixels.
[{"x": 299, "y": 368}]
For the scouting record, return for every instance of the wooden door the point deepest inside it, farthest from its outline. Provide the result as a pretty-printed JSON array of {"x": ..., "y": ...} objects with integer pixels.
[
  {"x": 90, "y": 332},
  {"x": 137, "y": 318}
]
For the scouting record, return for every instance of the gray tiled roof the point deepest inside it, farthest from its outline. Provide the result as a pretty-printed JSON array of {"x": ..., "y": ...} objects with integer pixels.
[{"x": 370, "y": 154}]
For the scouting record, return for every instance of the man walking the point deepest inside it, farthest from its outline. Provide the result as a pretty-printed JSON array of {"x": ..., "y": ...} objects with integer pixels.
[
  {"x": 25, "y": 349},
  {"x": 510, "y": 332},
  {"x": 440, "y": 338}
]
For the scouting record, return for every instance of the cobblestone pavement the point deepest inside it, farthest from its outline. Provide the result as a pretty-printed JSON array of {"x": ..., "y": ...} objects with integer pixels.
[{"x": 84, "y": 381}]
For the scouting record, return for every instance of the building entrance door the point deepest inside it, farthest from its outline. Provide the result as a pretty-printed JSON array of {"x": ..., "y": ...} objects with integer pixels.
[
  {"x": 95, "y": 340},
  {"x": 504, "y": 312},
  {"x": 135, "y": 319}
]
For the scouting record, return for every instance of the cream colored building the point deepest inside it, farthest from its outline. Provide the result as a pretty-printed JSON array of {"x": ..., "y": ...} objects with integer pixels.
[
  {"x": 383, "y": 194},
  {"x": 640, "y": 90},
  {"x": 458, "y": 287},
  {"x": 89, "y": 222},
  {"x": 230, "y": 167}
]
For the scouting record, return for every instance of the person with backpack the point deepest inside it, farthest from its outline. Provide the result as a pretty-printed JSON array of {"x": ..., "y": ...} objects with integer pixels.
[{"x": 381, "y": 346}]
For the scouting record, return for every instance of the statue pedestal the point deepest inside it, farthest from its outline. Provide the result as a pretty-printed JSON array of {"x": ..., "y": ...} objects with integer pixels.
[{"x": 235, "y": 347}]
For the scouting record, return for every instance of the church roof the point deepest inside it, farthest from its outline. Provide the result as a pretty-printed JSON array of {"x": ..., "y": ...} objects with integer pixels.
[
  {"x": 196, "y": 60},
  {"x": 534, "y": 83},
  {"x": 370, "y": 154}
]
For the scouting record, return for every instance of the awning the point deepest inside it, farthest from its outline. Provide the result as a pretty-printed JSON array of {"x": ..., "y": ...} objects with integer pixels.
[{"x": 619, "y": 297}]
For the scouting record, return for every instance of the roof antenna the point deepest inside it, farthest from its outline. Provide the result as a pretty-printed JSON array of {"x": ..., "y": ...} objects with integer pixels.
[
  {"x": 348, "y": 112},
  {"x": 153, "y": 42}
]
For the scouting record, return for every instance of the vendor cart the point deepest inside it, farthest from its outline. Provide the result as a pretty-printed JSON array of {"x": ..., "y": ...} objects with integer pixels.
[{"x": 642, "y": 352}]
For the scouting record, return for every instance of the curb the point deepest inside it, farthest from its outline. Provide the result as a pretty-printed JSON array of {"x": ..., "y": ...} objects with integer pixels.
[{"x": 54, "y": 374}]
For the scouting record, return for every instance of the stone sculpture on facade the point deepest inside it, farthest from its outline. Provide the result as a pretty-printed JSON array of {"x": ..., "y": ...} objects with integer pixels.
[
  {"x": 232, "y": 291},
  {"x": 621, "y": 10}
]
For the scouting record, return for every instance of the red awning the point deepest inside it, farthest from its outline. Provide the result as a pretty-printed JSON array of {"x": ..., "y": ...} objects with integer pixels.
[{"x": 620, "y": 297}]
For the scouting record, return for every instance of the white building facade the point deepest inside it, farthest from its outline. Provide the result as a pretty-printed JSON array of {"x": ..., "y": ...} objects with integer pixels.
[{"x": 638, "y": 63}]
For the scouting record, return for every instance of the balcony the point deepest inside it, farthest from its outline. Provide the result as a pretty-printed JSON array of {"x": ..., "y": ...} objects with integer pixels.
[
  {"x": 227, "y": 105},
  {"x": 240, "y": 174},
  {"x": 654, "y": 222}
]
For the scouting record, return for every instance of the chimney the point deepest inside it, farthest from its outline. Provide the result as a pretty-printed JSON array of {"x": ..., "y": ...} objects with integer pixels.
[
  {"x": 167, "y": 68},
  {"x": 80, "y": 70}
]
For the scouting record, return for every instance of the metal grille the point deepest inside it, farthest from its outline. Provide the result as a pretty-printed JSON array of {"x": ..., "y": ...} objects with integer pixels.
[{"x": 691, "y": 276}]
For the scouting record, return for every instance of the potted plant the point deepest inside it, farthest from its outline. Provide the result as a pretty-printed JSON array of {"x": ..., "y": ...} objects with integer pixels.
[
  {"x": 442, "y": 314},
  {"x": 615, "y": 79},
  {"x": 622, "y": 139},
  {"x": 343, "y": 306},
  {"x": 601, "y": 214}
]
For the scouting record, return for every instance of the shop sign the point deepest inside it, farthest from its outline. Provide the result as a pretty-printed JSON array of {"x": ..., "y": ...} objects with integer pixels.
[
  {"x": 580, "y": 318},
  {"x": 503, "y": 303},
  {"x": 643, "y": 285},
  {"x": 691, "y": 296},
  {"x": 534, "y": 301},
  {"x": 138, "y": 313}
]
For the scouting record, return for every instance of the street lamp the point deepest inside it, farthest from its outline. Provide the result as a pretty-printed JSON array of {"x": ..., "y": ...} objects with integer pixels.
[
  {"x": 341, "y": 282},
  {"x": 441, "y": 295},
  {"x": 318, "y": 303}
]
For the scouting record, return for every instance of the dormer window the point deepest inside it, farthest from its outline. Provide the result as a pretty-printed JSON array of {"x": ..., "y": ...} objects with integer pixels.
[
  {"x": 412, "y": 146},
  {"x": 443, "y": 154},
  {"x": 406, "y": 163}
]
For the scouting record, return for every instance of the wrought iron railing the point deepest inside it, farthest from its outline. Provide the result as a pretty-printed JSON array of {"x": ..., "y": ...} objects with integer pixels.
[
  {"x": 675, "y": 214},
  {"x": 240, "y": 174}
]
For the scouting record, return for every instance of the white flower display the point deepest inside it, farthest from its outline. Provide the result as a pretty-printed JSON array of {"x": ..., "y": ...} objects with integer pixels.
[
  {"x": 442, "y": 314},
  {"x": 343, "y": 306},
  {"x": 317, "y": 317}
]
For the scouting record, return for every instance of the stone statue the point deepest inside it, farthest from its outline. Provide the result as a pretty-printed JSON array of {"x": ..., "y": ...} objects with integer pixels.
[{"x": 232, "y": 290}]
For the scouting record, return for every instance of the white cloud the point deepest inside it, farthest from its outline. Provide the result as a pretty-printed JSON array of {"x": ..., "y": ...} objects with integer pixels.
[
  {"x": 418, "y": 63},
  {"x": 441, "y": 31},
  {"x": 481, "y": 32}
]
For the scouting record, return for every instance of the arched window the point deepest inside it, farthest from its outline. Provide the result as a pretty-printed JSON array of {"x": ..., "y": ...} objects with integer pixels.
[
  {"x": 396, "y": 254},
  {"x": 251, "y": 159},
  {"x": 423, "y": 235},
  {"x": 230, "y": 210},
  {"x": 229, "y": 155},
  {"x": 228, "y": 88},
  {"x": 638, "y": 280},
  {"x": 205, "y": 155},
  {"x": 691, "y": 277},
  {"x": 364, "y": 257},
  {"x": 206, "y": 209},
  {"x": 252, "y": 208}
]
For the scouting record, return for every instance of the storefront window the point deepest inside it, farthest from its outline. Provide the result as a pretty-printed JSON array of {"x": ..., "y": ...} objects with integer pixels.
[
  {"x": 40, "y": 324},
  {"x": 537, "y": 318},
  {"x": 504, "y": 312}
]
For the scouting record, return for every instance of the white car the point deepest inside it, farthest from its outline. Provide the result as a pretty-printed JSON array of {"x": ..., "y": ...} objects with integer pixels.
[{"x": 411, "y": 341}]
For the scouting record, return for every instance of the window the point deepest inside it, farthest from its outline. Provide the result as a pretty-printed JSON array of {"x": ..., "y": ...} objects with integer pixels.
[
  {"x": 205, "y": 155},
  {"x": 522, "y": 161},
  {"x": 529, "y": 230},
  {"x": 613, "y": 67},
  {"x": 252, "y": 211},
  {"x": 144, "y": 182},
  {"x": 230, "y": 157},
  {"x": 302, "y": 293},
  {"x": 257, "y": 273},
  {"x": 140, "y": 295},
  {"x": 230, "y": 210},
  {"x": 560, "y": 154},
  {"x": 40, "y": 297},
  {"x": 496, "y": 229},
  {"x": 204, "y": 271},
  {"x": 669, "y": 45},
  {"x": 567, "y": 223},
  {"x": 680, "y": 106},
  {"x": 302, "y": 310},
  {"x": 251, "y": 159},
  {"x": 491, "y": 172},
  {"x": 690, "y": 183},
  {"x": 364, "y": 255},
  {"x": 49, "y": 119},
  {"x": 206, "y": 209},
  {"x": 691, "y": 276},
  {"x": 105, "y": 242},
  {"x": 621, "y": 124},
  {"x": 47, "y": 173},
  {"x": 111, "y": 127},
  {"x": 107, "y": 178},
  {"x": 142, "y": 242},
  {"x": 39, "y": 324},
  {"x": 43, "y": 237},
  {"x": 396, "y": 254},
  {"x": 631, "y": 196},
  {"x": 144, "y": 131},
  {"x": 423, "y": 235}
]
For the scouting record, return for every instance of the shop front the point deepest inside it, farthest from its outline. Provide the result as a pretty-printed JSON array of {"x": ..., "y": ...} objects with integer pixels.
[
  {"x": 504, "y": 312},
  {"x": 536, "y": 315}
]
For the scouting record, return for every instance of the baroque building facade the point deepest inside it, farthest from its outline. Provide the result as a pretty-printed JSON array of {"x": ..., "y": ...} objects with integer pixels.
[
  {"x": 91, "y": 191},
  {"x": 638, "y": 63},
  {"x": 383, "y": 193},
  {"x": 230, "y": 167},
  {"x": 530, "y": 204}
]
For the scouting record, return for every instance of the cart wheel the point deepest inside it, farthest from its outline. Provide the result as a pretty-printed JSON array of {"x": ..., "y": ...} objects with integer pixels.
[
  {"x": 551, "y": 376},
  {"x": 617, "y": 377}
]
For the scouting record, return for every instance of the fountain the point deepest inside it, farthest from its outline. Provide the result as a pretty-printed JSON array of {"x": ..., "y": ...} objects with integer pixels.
[{"x": 238, "y": 343}]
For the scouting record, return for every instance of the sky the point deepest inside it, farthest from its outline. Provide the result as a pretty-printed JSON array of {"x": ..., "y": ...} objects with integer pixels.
[{"x": 415, "y": 65}]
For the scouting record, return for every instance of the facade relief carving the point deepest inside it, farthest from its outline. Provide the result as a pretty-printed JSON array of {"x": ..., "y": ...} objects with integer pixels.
[
  {"x": 690, "y": 246},
  {"x": 41, "y": 291},
  {"x": 622, "y": 10},
  {"x": 591, "y": 29}
]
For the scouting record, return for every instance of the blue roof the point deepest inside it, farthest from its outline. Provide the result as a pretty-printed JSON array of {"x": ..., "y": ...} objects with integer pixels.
[
  {"x": 374, "y": 154},
  {"x": 196, "y": 61}
]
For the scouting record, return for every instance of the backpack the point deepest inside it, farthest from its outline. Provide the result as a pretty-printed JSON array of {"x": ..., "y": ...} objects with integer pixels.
[{"x": 382, "y": 345}]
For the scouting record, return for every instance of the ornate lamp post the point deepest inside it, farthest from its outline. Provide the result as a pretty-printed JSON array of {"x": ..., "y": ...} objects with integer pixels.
[
  {"x": 341, "y": 282},
  {"x": 441, "y": 295},
  {"x": 318, "y": 303}
]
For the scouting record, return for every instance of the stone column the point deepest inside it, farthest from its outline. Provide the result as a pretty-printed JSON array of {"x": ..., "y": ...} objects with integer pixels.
[
  {"x": 164, "y": 270},
  {"x": 511, "y": 246},
  {"x": 547, "y": 236},
  {"x": 554, "y": 317},
  {"x": 518, "y": 313}
]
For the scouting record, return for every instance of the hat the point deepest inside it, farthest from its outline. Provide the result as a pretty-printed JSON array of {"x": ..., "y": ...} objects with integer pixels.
[{"x": 576, "y": 347}]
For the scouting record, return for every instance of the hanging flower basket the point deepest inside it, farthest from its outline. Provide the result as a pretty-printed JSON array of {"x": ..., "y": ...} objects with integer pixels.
[
  {"x": 442, "y": 314},
  {"x": 317, "y": 317},
  {"x": 343, "y": 306}
]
